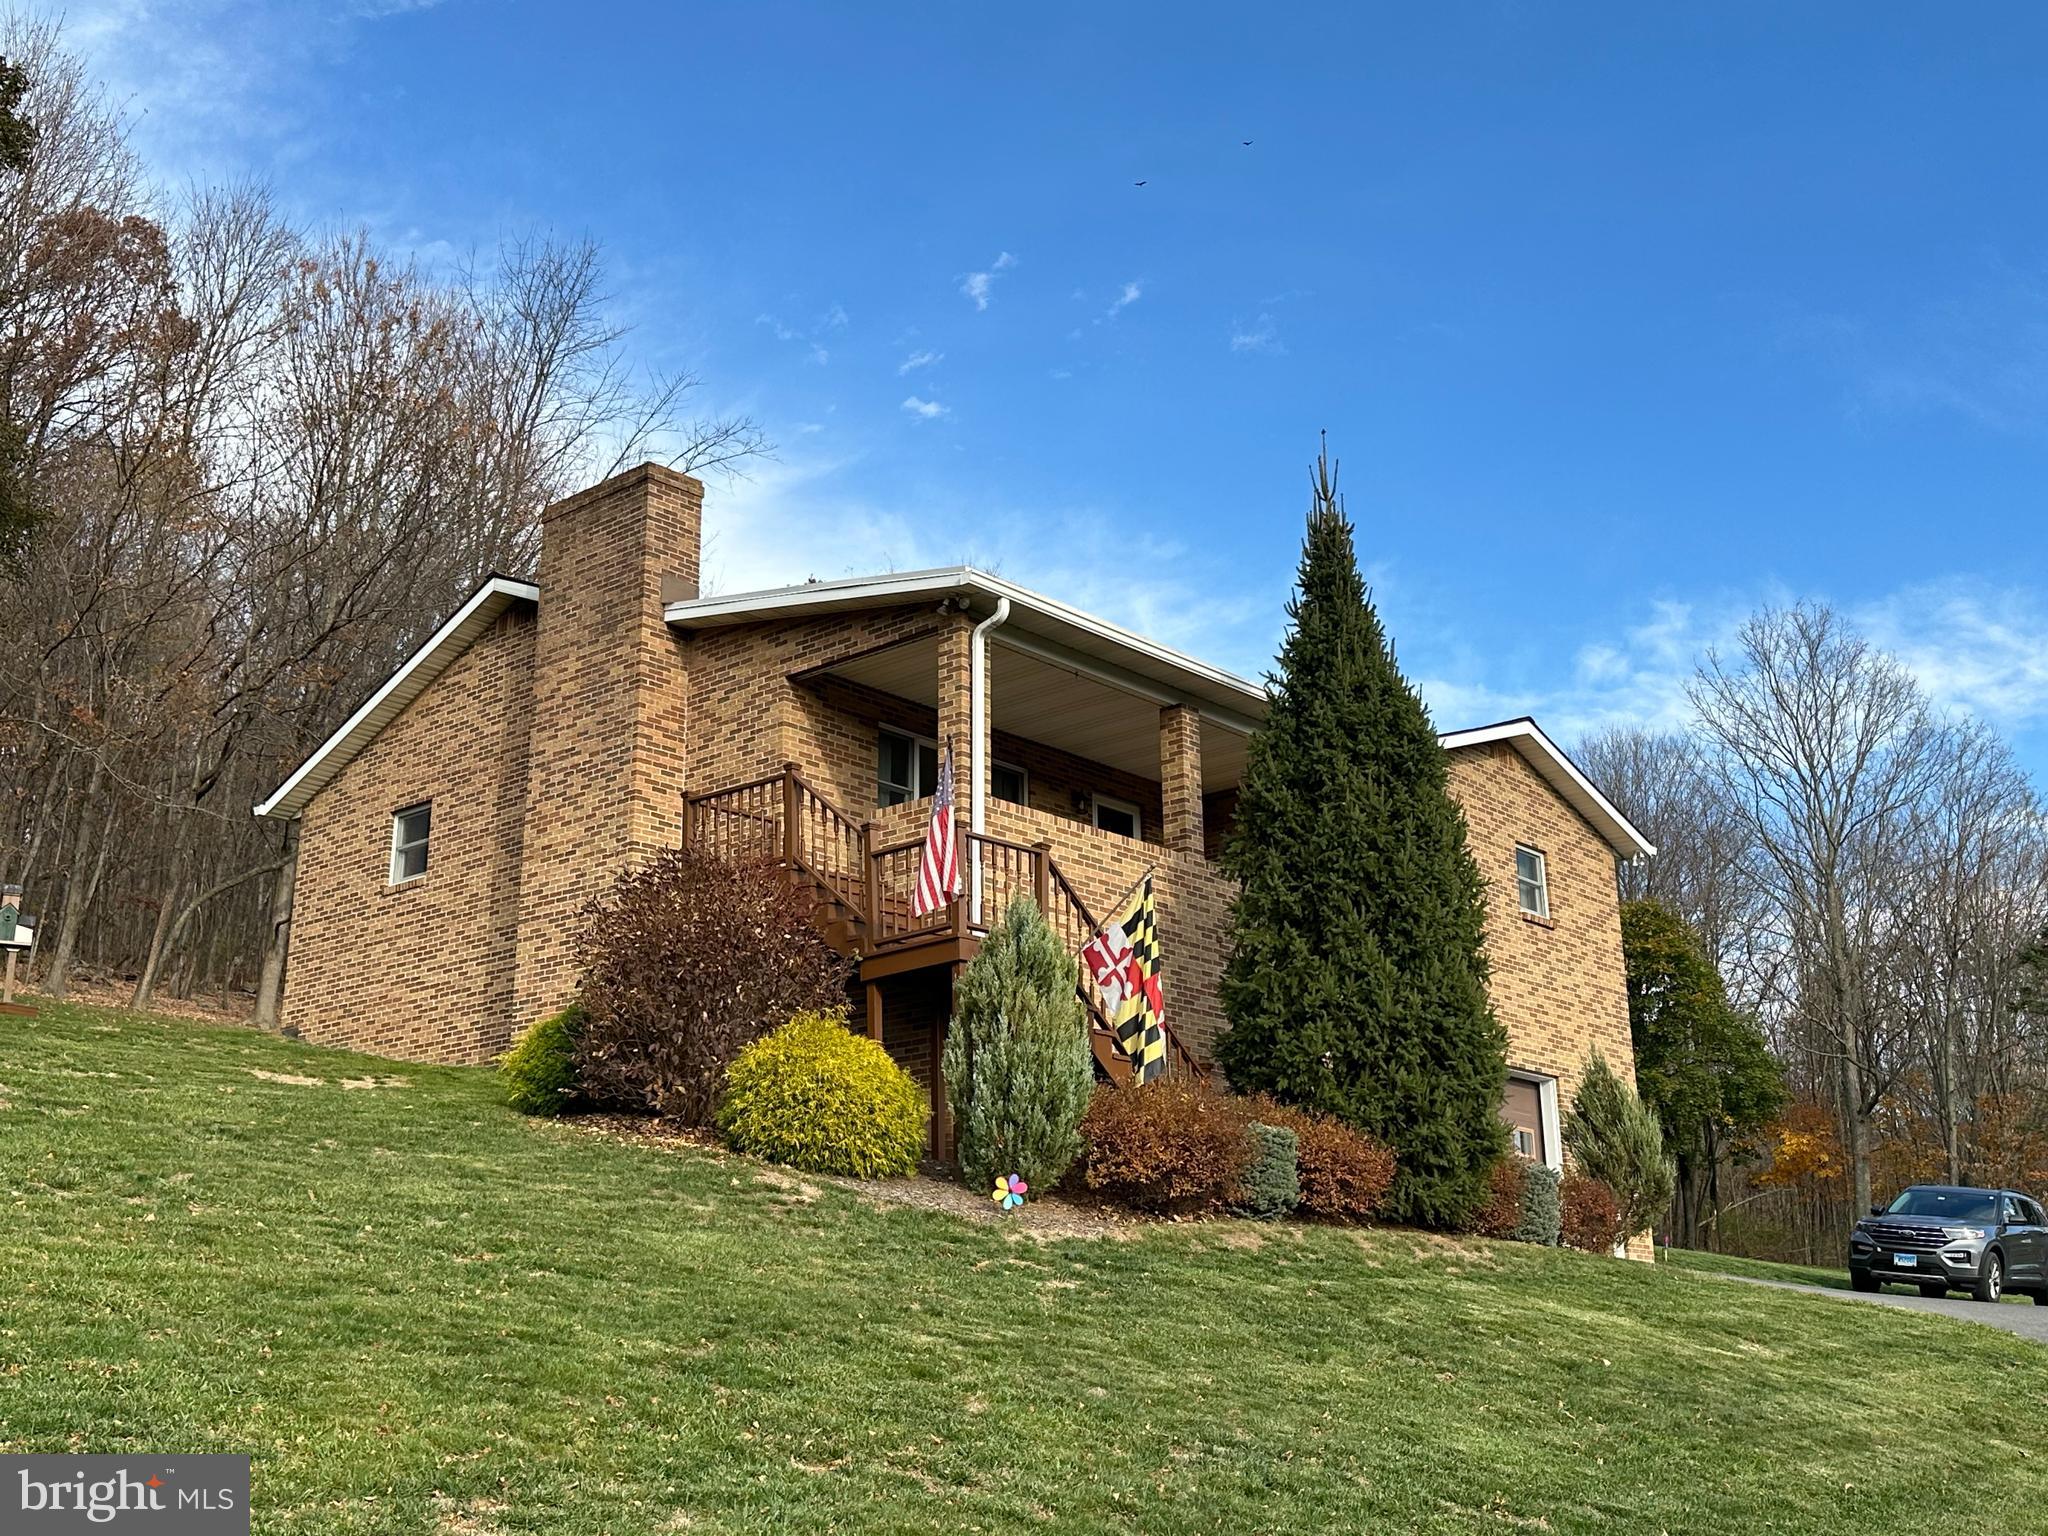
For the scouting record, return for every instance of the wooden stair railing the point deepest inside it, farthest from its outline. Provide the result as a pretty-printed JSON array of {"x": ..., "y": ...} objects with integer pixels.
[{"x": 864, "y": 886}]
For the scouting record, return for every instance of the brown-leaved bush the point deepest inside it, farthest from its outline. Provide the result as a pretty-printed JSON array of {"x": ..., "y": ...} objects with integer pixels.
[
  {"x": 1345, "y": 1174},
  {"x": 1172, "y": 1147},
  {"x": 686, "y": 961},
  {"x": 1591, "y": 1214},
  {"x": 1501, "y": 1216}
]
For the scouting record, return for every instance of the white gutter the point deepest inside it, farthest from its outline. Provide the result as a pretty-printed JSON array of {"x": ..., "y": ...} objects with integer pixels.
[{"x": 977, "y": 745}]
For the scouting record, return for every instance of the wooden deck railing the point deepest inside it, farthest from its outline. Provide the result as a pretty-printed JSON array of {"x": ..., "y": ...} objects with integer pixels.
[{"x": 784, "y": 819}]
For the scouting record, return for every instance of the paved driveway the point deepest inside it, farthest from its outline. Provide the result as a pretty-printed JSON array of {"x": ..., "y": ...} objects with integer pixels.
[{"x": 2027, "y": 1320}]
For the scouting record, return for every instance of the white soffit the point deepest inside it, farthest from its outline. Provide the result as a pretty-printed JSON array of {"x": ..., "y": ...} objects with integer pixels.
[{"x": 1091, "y": 714}]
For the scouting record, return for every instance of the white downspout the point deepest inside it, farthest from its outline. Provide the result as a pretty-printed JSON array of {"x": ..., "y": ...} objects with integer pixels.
[{"x": 977, "y": 744}]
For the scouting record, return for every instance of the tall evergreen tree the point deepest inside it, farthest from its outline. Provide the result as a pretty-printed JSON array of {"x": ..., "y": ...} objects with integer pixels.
[
  {"x": 1703, "y": 1068},
  {"x": 1356, "y": 982}
]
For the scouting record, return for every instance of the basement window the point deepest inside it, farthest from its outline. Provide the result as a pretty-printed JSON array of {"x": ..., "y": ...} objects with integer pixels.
[
  {"x": 1532, "y": 882},
  {"x": 409, "y": 830}
]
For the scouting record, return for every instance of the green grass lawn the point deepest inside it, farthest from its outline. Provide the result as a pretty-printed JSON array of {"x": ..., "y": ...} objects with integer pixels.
[
  {"x": 421, "y": 1313},
  {"x": 1754, "y": 1269}
]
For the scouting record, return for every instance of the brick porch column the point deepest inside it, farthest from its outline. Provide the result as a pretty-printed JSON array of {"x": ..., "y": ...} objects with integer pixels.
[
  {"x": 1180, "y": 777},
  {"x": 955, "y": 632}
]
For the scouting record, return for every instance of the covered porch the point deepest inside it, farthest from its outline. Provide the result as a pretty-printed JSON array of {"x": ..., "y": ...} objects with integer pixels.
[{"x": 1084, "y": 759}]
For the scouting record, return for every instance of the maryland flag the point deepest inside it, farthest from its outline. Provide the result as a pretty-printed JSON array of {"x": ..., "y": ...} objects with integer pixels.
[{"x": 1123, "y": 958}]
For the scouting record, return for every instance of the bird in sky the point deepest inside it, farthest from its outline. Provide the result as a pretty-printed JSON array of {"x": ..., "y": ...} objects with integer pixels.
[
  {"x": 1137, "y": 183},
  {"x": 1247, "y": 143}
]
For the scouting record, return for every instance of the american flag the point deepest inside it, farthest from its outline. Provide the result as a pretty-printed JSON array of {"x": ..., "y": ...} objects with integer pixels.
[{"x": 938, "y": 873}]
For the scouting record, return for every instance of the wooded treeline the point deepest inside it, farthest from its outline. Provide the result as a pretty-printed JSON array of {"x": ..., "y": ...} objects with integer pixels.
[
  {"x": 245, "y": 470},
  {"x": 1869, "y": 875}
]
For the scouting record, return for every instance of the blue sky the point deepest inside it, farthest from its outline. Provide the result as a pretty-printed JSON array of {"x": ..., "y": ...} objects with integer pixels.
[{"x": 1621, "y": 320}]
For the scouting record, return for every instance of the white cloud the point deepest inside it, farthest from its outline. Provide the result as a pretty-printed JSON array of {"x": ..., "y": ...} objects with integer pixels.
[
  {"x": 1260, "y": 336},
  {"x": 1974, "y": 647},
  {"x": 1124, "y": 300},
  {"x": 918, "y": 360},
  {"x": 764, "y": 530},
  {"x": 833, "y": 319},
  {"x": 924, "y": 410},
  {"x": 976, "y": 285}
]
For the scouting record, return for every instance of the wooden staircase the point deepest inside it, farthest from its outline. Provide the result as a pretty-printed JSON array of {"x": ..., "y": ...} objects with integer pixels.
[{"x": 863, "y": 886}]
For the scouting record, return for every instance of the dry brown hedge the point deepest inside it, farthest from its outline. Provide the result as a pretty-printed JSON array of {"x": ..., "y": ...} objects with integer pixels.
[
  {"x": 1173, "y": 1147},
  {"x": 1591, "y": 1214},
  {"x": 1345, "y": 1174},
  {"x": 686, "y": 962}
]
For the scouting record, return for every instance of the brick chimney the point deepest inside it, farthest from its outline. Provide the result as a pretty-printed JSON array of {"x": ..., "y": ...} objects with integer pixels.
[{"x": 605, "y": 746}]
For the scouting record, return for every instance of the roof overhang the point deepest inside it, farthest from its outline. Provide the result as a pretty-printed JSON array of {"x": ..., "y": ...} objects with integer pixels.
[
  {"x": 1072, "y": 638},
  {"x": 400, "y": 689},
  {"x": 1042, "y": 629},
  {"x": 1563, "y": 775}
]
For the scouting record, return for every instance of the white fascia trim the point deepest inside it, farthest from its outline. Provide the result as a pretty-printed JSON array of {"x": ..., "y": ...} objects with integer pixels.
[
  {"x": 958, "y": 578},
  {"x": 497, "y": 590},
  {"x": 1529, "y": 740},
  {"x": 1553, "y": 1127}
]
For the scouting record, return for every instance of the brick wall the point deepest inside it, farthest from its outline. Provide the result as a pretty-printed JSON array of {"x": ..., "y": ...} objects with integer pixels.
[
  {"x": 606, "y": 761},
  {"x": 1558, "y": 983},
  {"x": 422, "y": 970},
  {"x": 1192, "y": 895}
]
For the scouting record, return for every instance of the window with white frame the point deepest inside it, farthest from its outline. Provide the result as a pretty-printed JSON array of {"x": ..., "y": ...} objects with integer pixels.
[
  {"x": 907, "y": 768},
  {"x": 409, "y": 831},
  {"x": 1532, "y": 882},
  {"x": 1114, "y": 815}
]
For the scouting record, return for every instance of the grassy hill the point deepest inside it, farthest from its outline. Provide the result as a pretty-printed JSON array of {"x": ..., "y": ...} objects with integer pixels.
[{"x": 422, "y": 1313}]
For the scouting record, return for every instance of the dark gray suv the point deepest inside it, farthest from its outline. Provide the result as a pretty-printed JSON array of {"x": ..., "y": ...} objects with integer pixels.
[{"x": 1943, "y": 1238}]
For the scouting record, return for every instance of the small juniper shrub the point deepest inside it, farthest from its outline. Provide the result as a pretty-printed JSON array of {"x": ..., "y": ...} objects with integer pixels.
[
  {"x": 1613, "y": 1136},
  {"x": 1017, "y": 1066},
  {"x": 1540, "y": 1216},
  {"x": 820, "y": 1098},
  {"x": 685, "y": 961},
  {"x": 1172, "y": 1147},
  {"x": 1502, "y": 1212},
  {"x": 1271, "y": 1185},
  {"x": 539, "y": 1072},
  {"x": 1345, "y": 1174},
  {"x": 1590, "y": 1215}
]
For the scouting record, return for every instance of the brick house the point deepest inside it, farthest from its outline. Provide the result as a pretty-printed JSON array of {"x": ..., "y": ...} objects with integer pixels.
[{"x": 554, "y": 731}]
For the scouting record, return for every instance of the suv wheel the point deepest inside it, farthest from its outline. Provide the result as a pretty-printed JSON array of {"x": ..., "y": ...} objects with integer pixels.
[
  {"x": 1859, "y": 1281},
  {"x": 2041, "y": 1298},
  {"x": 1933, "y": 1290},
  {"x": 1990, "y": 1284}
]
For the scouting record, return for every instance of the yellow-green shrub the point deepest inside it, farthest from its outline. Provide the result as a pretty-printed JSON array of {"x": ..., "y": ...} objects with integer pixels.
[
  {"x": 539, "y": 1072},
  {"x": 819, "y": 1097}
]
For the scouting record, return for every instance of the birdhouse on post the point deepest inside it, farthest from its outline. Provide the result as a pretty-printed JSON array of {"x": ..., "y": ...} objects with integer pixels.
[{"x": 17, "y": 938}]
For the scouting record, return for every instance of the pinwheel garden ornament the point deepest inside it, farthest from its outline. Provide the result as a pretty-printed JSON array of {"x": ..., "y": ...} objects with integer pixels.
[{"x": 1010, "y": 1191}]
